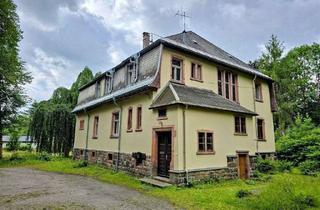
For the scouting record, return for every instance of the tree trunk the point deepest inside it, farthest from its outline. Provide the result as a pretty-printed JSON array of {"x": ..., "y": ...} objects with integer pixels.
[{"x": 0, "y": 140}]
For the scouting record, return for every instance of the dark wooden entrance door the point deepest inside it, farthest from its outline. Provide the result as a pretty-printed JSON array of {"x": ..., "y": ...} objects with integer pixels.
[
  {"x": 243, "y": 168},
  {"x": 164, "y": 153}
]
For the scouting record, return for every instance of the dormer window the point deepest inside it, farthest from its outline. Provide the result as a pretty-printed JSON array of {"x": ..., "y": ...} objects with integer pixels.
[
  {"x": 132, "y": 71},
  {"x": 108, "y": 87},
  {"x": 176, "y": 69},
  {"x": 98, "y": 89}
]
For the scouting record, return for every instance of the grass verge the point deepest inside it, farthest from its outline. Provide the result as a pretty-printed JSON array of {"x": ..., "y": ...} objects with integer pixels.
[{"x": 282, "y": 191}]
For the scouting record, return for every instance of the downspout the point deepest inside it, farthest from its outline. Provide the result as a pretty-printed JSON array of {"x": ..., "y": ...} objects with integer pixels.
[
  {"x": 119, "y": 137},
  {"x": 254, "y": 109},
  {"x": 184, "y": 145},
  {"x": 87, "y": 136}
]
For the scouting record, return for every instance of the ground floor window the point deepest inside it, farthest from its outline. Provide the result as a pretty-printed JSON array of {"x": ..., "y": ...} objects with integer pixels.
[
  {"x": 260, "y": 129},
  {"x": 205, "y": 141},
  {"x": 240, "y": 125},
  {"x": 115, "y": 124}
]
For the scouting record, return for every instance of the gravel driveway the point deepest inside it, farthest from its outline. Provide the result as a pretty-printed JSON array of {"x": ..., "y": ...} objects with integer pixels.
[{"x": 22, "y": 188}]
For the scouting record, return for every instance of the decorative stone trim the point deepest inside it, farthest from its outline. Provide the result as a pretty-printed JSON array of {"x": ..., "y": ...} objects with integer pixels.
[{"x": 127, "y": 162}]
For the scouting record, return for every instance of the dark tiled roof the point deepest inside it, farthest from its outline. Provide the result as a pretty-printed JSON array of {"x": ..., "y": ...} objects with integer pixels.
[
  {"x": 180, "y": 94},
  {"x": 196, "y": 43}
]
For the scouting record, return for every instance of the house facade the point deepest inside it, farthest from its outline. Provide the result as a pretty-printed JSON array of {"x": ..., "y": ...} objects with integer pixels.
[{"x": 180, "y": 109}]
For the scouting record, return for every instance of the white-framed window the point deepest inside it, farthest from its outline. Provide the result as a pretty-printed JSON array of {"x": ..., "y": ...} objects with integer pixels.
[
  {"x": 132, "y": 73},
  {"x": 108, "y": 86},
  {"x": 228, "y": 85},
  {"x": 205, "y": 141},
  {"x": 176, "y": 69},
  {"x": 115, "y": 122}
]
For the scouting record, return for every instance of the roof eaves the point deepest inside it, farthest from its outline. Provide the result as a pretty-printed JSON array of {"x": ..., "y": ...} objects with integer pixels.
[
  {"x": 214, "y": 58},
  {"x": 174, "y": 92},
  {"x": 124, "y": 62}
]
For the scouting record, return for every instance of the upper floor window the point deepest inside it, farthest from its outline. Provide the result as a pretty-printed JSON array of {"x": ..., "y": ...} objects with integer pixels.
[
  {"x": 240, "y": 125},
  {"x": 132, "y": 73},
  {"x": 176, "y": 69},
  {"x": 139, "y": 118},
  {"x": 115, "y": 124},
  {"x": 98, "y": 88},
  {"x": 205, "y": 142},
  {"x": 258, "y": 91},
  {"x": 95, "y": 127},
  {"x": 196, "y": 71},
  {"x": 129, "y": 124},
  {"x": 81, "y": 125},
  {"x": 260, "y": 129},
  {"x": 228, "y": 85}
]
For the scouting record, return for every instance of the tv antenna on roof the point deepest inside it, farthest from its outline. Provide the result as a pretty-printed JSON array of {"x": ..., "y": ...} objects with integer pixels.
[{"x": 183, "y": 15}]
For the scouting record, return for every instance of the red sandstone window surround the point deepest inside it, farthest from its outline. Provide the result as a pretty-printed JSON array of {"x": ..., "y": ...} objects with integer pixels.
[
  {"x": 260, "y": 129},
  {"x": 81, "y": 125},
  {"x": 129, "y": 124},
  {"x": 177, "y": 70},
  {"x": 95, "y": 127},
  {"x": 228, "y": 85},
  {"x": 115, "y": 122},
  {"x": 258, "y": 92},
  {"x": 196, "y": 72},
  {"x": 240, "y": 125},
  {"x": 205, "y": 142},
  {"x": 139, "y": 118}
]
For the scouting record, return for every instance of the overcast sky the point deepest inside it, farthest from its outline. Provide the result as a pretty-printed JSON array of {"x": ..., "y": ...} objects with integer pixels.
[{"x": 63, "y": 36}]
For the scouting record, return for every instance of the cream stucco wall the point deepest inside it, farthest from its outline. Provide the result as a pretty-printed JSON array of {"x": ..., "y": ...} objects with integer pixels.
[{"x": 221, "y": 123}]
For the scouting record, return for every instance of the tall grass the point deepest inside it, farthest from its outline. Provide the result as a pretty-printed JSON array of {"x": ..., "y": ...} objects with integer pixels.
[{"x": 283, "y": 191}]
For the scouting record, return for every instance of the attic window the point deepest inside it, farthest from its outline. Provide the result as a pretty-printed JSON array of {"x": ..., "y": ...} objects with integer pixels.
[
  {"x": 108, "y": 87},
  {"x": 98, "y": 89},
  {"x": 132, "y": 71},
  {"x": 194, "y": 41}
]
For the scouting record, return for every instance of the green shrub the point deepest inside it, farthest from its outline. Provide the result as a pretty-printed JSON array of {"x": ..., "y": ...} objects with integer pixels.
[
  {"x": 13, "y": 143},
  {"x": 282, "y": 193},
  {"x": 300, "y": 143},
  {"x": 309, "y": 167},
  {"x": 305, "y": 200},
  {"x": 243, "y": 193},
  {"x": 44, "y": 156},
  {"x": 265, "y": 165},
  {"x": 15, "y": 157},
  {"x": 25, "y": 147},
  {"x": 82, "y": 164},
  {"x": 283, "y": 166}
]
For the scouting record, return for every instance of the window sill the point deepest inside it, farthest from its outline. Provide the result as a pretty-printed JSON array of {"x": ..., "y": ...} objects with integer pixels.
[
  {"x": 94, "y": 137},
  {"x": 114, "y": 137},
  {"x": 177, "y": 81},
  {"x": 240, "y": 134},
  {"x": 259, "y": 100},
  {"x": 206, "y": 153},
  {"x": 129, "y": 130},
  {"x": 162, "y": 118},
  {"x": 195, "y": 79},
  {"x": 263, "y": 140},
  {"x": 139, "y": 130}
]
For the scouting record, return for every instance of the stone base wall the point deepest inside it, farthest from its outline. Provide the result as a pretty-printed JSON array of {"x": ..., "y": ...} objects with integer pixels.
[
  {"x": 110, "y": 159},
  {"x": 129, "y": 164}
]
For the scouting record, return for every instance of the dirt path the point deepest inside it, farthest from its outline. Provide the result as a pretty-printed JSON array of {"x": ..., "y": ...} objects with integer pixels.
[{"x": 22, "y": 188}]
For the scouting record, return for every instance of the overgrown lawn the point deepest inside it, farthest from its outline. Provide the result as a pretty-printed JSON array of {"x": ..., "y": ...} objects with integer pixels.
[{"x": 282, "y": 191}]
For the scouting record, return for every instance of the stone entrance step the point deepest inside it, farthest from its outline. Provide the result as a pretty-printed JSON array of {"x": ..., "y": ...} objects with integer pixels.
[{"x": 155, "y": 182}]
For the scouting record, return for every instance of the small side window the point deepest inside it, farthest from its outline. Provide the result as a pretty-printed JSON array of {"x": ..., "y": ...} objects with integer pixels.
[
  {"x": 162, "y": 113},
  {"x": 81, "y": 125},
  {"x": 258, "y": 89}
]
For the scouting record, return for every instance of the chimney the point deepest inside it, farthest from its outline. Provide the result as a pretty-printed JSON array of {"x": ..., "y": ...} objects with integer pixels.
[{"x": 146, "y": 39}]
